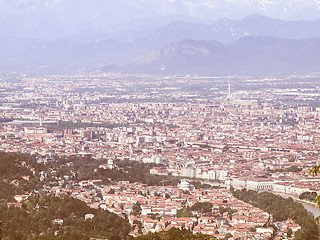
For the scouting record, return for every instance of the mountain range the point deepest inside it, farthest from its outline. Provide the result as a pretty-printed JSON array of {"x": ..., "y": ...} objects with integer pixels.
[
  {"x": 100, "y": 19},
  {"x": 41, "y": 37},
  {"x": 247, "y": 56}
]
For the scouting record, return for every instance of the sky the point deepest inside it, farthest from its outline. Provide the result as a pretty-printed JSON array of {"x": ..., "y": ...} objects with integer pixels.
[{"x": 59, "y": 18}]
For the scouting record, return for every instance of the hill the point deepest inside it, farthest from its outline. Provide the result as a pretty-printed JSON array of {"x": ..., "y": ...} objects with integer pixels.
[
  {"x": 59, "y": 218},
  {"x": 249, "y": 55},
  {"x": 95, "y": 47},
  {"x": 41, "y": 215}
]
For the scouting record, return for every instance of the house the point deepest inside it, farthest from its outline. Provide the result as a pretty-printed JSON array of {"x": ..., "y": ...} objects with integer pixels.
[
  {"x": 57, "y": 221},
  {"x": 14, "y": 204},
  {"x": 88, "y": 216}
]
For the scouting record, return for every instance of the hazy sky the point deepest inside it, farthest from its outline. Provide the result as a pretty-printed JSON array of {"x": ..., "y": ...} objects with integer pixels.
[
  {"x": 49, "y": 18},
  {"x": 121, "y": 10}
]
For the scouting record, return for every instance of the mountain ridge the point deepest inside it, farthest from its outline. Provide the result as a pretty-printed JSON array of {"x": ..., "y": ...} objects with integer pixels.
[
  {"x": 249, "y": 55},
  {"x": 78, "y": 53}
]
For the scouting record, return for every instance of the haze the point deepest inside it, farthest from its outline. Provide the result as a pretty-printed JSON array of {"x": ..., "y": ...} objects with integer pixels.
[{"x": 87, "y": 35}]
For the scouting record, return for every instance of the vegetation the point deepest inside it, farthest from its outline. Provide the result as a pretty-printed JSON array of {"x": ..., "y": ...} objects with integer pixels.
[
  {"x": 294, "y": 169},
  {"x": 131, "y": 171},
  {"x": 314, "y": 172},
  {"x": 7, "y": 191},
  {"x": 11, "y": 165},
  {"x": 34, "y": 220},
  {"x": 227, "y": 236},
  {"x": 203, "y": 207},
  {"x": 282, "y": 209},
  {"x": 222, "y": 210},
  {"x": 309, "y": 196},
  {"x": 136, "y": 209},
  {"x": 77, "y": 125},
  {"x": 174, "y": 234},
  {"x": 184, "y": 212},
  {"x": 198, "y": 185},
  {"x": 5, "y": 119},
  {"x": 13, "y": 168},
  {"x": 37, "y": 215},
  {"x": 88, "y": 168}
]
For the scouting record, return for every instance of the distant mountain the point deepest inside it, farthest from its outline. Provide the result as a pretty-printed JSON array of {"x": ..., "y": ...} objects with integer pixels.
[
  {"x": 56, "y": 19},
  {"x": 249, "y": 55},
  {"x": 227, "y": 31},
  {"x": 258, "y": 25},
  {"x": 88, "y": 48}
]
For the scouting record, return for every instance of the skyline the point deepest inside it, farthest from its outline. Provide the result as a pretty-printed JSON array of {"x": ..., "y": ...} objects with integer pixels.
[
  {"x": 130, "y": 119},
  {"x": 118, "y": 141}
]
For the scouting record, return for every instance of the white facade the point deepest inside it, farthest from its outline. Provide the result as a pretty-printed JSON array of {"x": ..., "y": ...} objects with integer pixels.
[
  {"x": 259, "y": 185},
  {"x": 188, "y": 172}
]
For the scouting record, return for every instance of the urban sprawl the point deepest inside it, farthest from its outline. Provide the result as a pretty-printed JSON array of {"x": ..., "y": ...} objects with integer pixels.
[{"x": 261, "y": 134}]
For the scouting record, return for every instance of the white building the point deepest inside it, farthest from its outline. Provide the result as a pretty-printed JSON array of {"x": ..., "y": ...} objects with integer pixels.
[
  {"x": 185, "y": 186},
  {"x": 258, "y": 185},
  {"x": 188, "y": 172}
]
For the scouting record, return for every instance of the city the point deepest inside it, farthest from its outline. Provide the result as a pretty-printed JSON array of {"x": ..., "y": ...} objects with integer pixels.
[{"x": 258, "y": 134}]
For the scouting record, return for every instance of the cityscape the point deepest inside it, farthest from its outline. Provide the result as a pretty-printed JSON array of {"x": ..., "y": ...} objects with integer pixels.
[
  {"x": 159, "y": 120},
  {"x": 224, "y": 133}
]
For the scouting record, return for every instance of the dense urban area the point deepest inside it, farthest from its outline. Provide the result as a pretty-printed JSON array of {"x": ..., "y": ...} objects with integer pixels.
[{"x": 218, "y": 157}]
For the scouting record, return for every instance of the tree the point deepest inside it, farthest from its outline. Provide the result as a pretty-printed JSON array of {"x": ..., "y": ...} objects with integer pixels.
[
  {"x": 174, "y": 234},
  {"x": 282, "y": 209},
  {"x": 202, "y": 207},
  {"x": 115, "y": 238},
  {"x": 309, "y": 196},
  {"x": 38, "y": 214},
  {"x": 222, "y": 210},
  {"x": 227, "y": 236},
  {"x": 111, "y": 191},
  {"x": 184, "y": 212},
  {"x": 136, "y": 209},
  {"x": 314, "y": 172}
]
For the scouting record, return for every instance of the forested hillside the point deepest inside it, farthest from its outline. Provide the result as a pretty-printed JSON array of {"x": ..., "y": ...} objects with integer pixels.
[
  {"x": 43, "y": 216},
  {"x": 50, "y": 217},
  {"x": 282, "y": 209}
]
